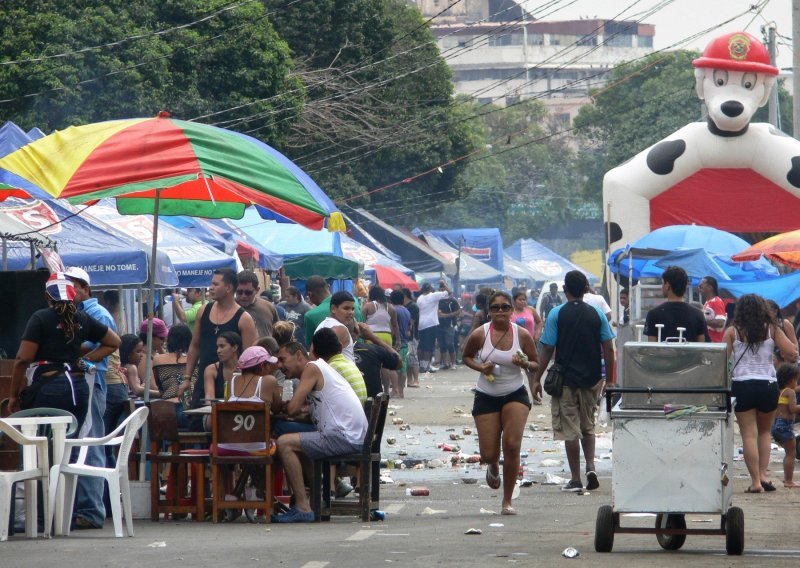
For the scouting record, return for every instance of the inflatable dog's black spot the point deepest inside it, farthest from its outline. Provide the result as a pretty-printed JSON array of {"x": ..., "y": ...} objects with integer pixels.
[
  {"x": 661, "y": 158},
  {"x": 794, "y": 174}
]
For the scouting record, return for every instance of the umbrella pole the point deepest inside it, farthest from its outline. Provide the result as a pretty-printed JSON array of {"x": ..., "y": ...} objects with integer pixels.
[
  {"x": 5, "y": 255},
  {"x": 150, "y": 316}
]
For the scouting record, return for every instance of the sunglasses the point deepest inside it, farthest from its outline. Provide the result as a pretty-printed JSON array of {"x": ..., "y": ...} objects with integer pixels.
[
  {"x": 242, "y": 292},
  {"x": 500, "y": 308}
]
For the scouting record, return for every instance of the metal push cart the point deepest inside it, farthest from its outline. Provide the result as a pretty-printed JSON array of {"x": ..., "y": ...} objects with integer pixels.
[{"x": 672, "y": 464}]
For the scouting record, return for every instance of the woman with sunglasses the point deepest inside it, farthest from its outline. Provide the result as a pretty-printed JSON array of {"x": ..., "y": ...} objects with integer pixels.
[{"x": 500, "y": 351}]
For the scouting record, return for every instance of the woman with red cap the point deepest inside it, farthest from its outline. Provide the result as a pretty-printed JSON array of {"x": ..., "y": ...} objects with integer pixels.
[{"x": 53, "y": 339}]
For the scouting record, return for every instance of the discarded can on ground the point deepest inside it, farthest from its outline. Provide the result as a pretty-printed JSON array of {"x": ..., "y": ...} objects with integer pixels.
[
  {"x": 377, "y": 515},
  {"x": 473, "y": 459},
  {"x": 397, "y": 420},
  {"x": 570, "y": 552},
  {"x": 418, "y": 491},
  {"x": 473, "y": 531},
  {"x": 391, "y": 440},
  {"x": 467, "y": 431},
  {"x": 521, "y": 472}
]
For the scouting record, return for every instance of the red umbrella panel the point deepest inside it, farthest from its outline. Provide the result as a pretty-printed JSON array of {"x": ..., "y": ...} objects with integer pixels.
[
  {"x": 389, "y": 277},
  {"x": 783, "y": 248}
]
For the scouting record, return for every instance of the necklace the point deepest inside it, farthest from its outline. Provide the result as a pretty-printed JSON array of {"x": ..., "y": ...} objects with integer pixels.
[
  {"x": 220, "y": 315},
  {"x": 250, "y": 380},
  {"x": 494, "y": 345}
]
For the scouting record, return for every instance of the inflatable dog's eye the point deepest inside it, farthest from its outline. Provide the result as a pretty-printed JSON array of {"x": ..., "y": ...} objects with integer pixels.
[
  {"x": 749, "y": 81},
  {"x": 720, "y": 77}
]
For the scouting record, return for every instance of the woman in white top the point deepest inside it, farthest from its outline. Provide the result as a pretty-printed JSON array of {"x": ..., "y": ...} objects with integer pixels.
[
  {"x": 751, "y": 341},
  {"x": 501, "y": 401}
]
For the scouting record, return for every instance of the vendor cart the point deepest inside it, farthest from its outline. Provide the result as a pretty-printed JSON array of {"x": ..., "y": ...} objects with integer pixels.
[{"x": 672, "y": 444}]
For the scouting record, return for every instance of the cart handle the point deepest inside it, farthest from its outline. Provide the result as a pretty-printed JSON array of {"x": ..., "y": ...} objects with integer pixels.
[{"x": 611, "y": 391}]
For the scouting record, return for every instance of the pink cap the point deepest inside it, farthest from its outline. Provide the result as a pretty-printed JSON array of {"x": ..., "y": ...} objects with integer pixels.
[
  {"x": 159, "y": 328},
  {"x": 254, "y": 356}
]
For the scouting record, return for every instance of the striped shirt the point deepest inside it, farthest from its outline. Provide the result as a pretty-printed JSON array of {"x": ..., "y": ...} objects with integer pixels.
[{"x": 351, "y": 374}]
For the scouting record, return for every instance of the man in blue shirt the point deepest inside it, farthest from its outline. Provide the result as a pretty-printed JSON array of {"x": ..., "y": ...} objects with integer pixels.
[
  {"x": 577, "y": 333},
  {"x": 89, "y": 509}
]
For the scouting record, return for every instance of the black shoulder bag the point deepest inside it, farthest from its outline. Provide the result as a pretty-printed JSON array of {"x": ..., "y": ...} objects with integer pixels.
[{"x": 554, "y": 380}]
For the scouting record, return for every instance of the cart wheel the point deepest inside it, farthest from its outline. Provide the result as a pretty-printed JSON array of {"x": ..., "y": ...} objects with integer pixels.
[
  {"x": 734, "y": 531},
  {"x": 673, "y": 521},
  {"x": 604, "y": 529}
]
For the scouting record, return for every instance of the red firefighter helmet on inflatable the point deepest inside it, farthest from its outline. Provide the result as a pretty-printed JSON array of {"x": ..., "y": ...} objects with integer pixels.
[{"x": 737, "y": 51}]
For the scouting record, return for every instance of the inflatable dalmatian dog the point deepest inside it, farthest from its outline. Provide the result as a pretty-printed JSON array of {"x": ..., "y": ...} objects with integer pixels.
[{"x": 726, "y": 172}]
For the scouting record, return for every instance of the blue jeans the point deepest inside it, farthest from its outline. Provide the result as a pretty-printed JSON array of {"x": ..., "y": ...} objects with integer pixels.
[
  {"x": 56, "y": 392},
  {"x": 116, "y": 404},
  {"x": 89, "y": 497}
]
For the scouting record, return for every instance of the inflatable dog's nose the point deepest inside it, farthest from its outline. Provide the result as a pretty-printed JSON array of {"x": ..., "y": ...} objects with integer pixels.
[{"x": 732, "y": 108}]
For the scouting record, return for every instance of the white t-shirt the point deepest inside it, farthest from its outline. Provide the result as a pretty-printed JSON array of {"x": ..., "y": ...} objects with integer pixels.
[
  {"x": 347, "y": 350},
  {"x": 598, "y": 302},
  {"x": 336, "y": 406},
  {"x": 428, "y": 305}
]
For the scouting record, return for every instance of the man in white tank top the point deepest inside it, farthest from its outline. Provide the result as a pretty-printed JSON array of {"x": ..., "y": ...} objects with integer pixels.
[{"x": 336, "y": 412}]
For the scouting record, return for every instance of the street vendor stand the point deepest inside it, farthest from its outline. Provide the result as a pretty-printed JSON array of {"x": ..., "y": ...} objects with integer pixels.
[{"x": 673, "y": 444}]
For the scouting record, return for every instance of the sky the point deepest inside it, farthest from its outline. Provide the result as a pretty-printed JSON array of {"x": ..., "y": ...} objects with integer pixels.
[{"x": 680, "y": 19}]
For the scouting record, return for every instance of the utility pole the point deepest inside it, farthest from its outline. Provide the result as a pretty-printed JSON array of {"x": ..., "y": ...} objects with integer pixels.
[
  {"x": 796, "y": 67},
  {"x": 773, "y": 94}
]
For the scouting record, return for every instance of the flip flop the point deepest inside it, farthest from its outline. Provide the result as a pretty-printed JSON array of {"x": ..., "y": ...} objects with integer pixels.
[
  {"x": 508, "y": 511},
  {"x": 751, "y": 490},
  {"x": 492, "y": 479},
  {"x": 768, "y": 486}
]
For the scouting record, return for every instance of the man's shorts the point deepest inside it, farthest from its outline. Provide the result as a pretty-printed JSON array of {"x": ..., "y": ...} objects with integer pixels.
[
  {"x": 447, "y": 335},
  {"x": 761, "y": 395},
  {"x": 488, "y": 404},
  {"x": 318, "y": 444},
  {"x": 403, "y": 356},
  {"x": 573, "y": 413},
  {"x": 427, "y": 338}
]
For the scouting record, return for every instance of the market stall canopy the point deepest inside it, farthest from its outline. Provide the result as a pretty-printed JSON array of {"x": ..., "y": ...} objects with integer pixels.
[
  {"x": 194, "y": 261},
  {"x": 110, "y": 257},
  {"x": 485, "y": 245},
  {"x": 12, "y": 229},
  {"x": 264, "y": 258},
  {"x": 543, "y": 263},
  {"x": 414, "y": 254},
  {"x": 515, "y": 269},
  {"x": 326, "y": 265},
  {"x": 471, "y": 270},
  {"x": 358, "y": 234},
  {"x": 196, "y": 227},
  {"x": 363, "y": 254},
  {"x": 289, "y": 240}
]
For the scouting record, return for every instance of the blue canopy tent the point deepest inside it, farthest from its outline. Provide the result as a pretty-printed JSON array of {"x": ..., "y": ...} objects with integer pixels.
[
  {"x": 294, "y": 241},
  {"x": 485, "y": 245},
  {"x": 358, "y": 234},
  {"x": 12, "y": 137},
  {"x": 194, "y": 261},
  {"x": 515, "y": 269},
  {"x": 223, "y": 242},
  {"x": 543, "y": 263},
  {"x": 267, "y": 259},
  {"x": 701, "y": 251},
  {"x": 110, "y": 257}
]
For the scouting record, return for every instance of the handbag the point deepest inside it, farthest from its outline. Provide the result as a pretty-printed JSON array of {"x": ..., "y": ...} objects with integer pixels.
[{"x": 554, "y": 381}]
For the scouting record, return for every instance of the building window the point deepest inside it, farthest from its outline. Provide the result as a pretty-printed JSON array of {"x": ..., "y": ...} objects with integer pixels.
[
  {"x": 587, "y": 40},
  {"x": 500, "y": 40},
  {"x": 644, "y": 41},
  {"x": 535, "y": 39}
]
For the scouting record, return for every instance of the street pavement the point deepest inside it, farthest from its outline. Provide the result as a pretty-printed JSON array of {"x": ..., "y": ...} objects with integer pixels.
[{"x": 430, "y": 530}]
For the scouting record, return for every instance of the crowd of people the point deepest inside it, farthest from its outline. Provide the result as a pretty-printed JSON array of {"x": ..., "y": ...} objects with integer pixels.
[{"x": 317, "y": 360}]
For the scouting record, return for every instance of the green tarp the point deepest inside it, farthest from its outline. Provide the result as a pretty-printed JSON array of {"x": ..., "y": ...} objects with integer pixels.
[{"x": 325, "y": 265}]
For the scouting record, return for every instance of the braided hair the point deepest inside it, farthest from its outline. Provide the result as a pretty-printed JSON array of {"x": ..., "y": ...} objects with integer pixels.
[{"x": 66, "y": 316}]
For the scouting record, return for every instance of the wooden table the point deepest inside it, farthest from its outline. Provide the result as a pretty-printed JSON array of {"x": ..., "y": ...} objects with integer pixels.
[{"x": 29, "y": 426}]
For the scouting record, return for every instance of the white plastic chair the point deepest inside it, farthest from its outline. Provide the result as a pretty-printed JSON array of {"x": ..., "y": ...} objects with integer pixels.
[
  {"x": 30, "y": 471},
  {"x": 117, "y": 477}
]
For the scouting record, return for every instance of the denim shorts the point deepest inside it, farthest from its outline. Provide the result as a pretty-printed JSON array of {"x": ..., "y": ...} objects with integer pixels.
[
  {"x": 318, "y": 445},
  {"x": 783, "y": 430}
]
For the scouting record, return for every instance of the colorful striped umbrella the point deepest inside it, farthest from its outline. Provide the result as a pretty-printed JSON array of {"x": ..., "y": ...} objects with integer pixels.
[
  {"x": 194, "y": 169},
  {"x": 7, "y": 191}
]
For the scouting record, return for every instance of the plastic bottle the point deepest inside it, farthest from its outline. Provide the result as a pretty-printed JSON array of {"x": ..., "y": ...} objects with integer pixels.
[
  {"x": 377, "y": 515},
  {"x": 288, "y": 390}
]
